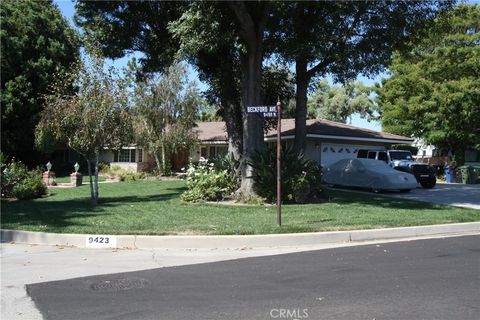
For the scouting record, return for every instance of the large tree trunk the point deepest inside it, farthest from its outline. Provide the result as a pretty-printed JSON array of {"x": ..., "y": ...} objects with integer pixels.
[
  {"x": 157, "y": 160},
  {"x": 251, "y": 18},
  {"x": 89, "y": 167},
  {"x": 252, "y": 123},
  {"x": 164, "y": 160},
  {"x": 232, "y": 115},
  {"x": 95, "y": 190},
  {"x": 234, "y": 126},
  {"x": 302, "y": 80}
]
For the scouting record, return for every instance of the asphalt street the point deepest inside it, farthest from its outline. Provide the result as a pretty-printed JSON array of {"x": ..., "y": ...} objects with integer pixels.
[{"x": 423, "y": 279}]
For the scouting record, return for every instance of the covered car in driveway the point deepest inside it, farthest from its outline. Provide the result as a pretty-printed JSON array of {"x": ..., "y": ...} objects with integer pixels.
[{"x": 367, "y": 173}]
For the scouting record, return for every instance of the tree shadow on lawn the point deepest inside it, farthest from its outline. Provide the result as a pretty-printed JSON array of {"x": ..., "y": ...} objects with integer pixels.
[
  {"x": 379, "y": 200},
  {"x": 178, "y": 190},
  {"x": 60, "y": 213}
]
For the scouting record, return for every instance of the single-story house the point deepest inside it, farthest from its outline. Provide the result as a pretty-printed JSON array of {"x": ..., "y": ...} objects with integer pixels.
[{"x": 327, "y": 141}]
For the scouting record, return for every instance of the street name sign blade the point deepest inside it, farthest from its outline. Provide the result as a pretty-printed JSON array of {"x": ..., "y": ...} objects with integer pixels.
[{"x": 264, "y": 111}]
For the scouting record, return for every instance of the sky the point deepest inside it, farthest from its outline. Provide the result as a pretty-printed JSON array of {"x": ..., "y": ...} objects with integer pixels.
[{"x": 67, "y": 8}]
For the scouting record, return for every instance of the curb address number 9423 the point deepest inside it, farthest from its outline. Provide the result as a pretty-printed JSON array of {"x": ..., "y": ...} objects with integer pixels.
[{"x": 100, "y": 241}]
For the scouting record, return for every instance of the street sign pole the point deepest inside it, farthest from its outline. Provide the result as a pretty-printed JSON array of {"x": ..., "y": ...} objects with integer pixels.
[
  {"x": 265, "y": 111},
  {"x": 279, "y": 149}
]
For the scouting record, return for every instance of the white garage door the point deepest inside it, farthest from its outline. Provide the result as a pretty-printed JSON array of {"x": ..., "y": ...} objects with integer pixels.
[{"x": 332, "y": 152}]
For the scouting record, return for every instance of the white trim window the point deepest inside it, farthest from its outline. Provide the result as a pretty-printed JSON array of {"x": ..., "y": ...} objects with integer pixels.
[{"x": 124, "y": 155}]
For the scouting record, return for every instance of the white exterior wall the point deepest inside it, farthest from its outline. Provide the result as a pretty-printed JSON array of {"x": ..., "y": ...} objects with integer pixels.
[
  {"x": 106, "y": 156},
  {"x": 195, "y": 154},
  {"x": 312, "y": 150},
  {"x": 333, "y": 152}
]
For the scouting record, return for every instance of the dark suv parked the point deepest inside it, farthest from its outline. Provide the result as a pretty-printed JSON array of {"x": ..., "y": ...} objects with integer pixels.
[{"x": 402, "y": 160}]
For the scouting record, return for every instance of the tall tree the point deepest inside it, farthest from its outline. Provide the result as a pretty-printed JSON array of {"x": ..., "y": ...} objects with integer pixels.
[
  {"x": 134, "y": 32},
  {"x": 251, "y": 19},
  {"x": 165, "y": 108},
  {"x": 342, "y": 39},
  {"x": 213, "y": 50},
  {"x": 434, "y": 89},
  {"x": 123, "y": 27},
  {"x": 96, "y": 117},
  {"x": 37, "y": 43},
  {"x": 339, "y": 103}
]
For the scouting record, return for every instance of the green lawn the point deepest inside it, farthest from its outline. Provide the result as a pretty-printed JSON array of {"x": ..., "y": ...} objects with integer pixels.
[{"x": 155, "y": 208}]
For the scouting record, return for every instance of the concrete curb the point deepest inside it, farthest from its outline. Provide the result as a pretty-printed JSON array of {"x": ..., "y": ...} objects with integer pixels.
[{"x": 249, "y": 241}]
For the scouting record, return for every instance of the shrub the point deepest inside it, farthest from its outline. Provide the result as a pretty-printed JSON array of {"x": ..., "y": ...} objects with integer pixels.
[
  {"x": 205, "y": 182},
  {"x": 104, "y": 168},
  {"x": 229, "y": 164},
  {"x": 132, "y": 176},
  {"x": 125, "y": 175},
  {"x": 18, "y": 182},
  {"x": 301, "y": 178}
]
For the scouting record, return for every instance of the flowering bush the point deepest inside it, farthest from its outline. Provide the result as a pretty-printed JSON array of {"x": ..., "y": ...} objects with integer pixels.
[{"x": 206, "y": 182}]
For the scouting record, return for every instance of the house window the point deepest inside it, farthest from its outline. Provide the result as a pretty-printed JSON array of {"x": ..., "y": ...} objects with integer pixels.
[
  {"x": 203, "y": 152},
  {"x": 124, "y": 155},
  {"x": 140, "y": 155},
  {"x": 222, "y": 151},
  {"x": 213, "y": 152}
]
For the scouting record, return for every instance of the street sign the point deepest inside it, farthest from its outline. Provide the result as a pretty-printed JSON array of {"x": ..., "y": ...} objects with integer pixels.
[{"x": 264, "y": 111}]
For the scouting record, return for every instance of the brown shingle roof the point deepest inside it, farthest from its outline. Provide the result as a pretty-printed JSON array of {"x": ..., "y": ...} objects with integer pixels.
[
  {"x": 332, "y": 128},
  {"x": 212, "y": 131},
  {"x": 215, "y": 131}
]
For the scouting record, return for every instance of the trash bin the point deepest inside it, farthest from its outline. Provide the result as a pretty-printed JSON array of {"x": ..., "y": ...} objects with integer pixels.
[
  {"x": 457, "y": 175},
  {"x": 467, "y": 175},
  {"x": 448, "y": 174},
  {"x": 475, "y": 174}
]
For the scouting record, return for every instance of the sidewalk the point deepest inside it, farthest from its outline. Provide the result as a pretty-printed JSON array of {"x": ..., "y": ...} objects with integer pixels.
[
  {"x": 26, "y": 264},
  {"x": 33, "y": 257},
  {"x": 236, "y": 241}
]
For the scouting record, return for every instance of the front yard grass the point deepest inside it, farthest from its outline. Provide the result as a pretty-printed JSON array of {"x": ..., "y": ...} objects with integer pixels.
[
  {"x": 155, "y": 208},
  {"x": 86, "y": 179}
]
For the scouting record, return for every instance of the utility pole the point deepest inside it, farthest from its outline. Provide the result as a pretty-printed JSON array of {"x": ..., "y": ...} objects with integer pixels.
[{"x": 279, "y": 152}]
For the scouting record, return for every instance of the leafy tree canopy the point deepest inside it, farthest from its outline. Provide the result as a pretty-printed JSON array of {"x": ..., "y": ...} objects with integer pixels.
[
  {"x": 94, "y": 118},
  {"x": 339, "y": 103},
  {"x": 341, "y": 38},
  {"x": 37, "y": 43},
  {"x": 165, "y": 107},
  {"x": 123, "y": 27},
  {"x": 434, "y": 89}
]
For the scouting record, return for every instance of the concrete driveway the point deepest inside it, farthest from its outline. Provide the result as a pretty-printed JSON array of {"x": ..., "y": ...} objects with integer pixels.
[{"x": 454, "y": 194}]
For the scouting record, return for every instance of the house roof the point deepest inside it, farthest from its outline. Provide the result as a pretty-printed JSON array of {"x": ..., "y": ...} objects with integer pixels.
[
  {"x": 319, "y": 128},
  {"x": 212, "y": 131}
]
